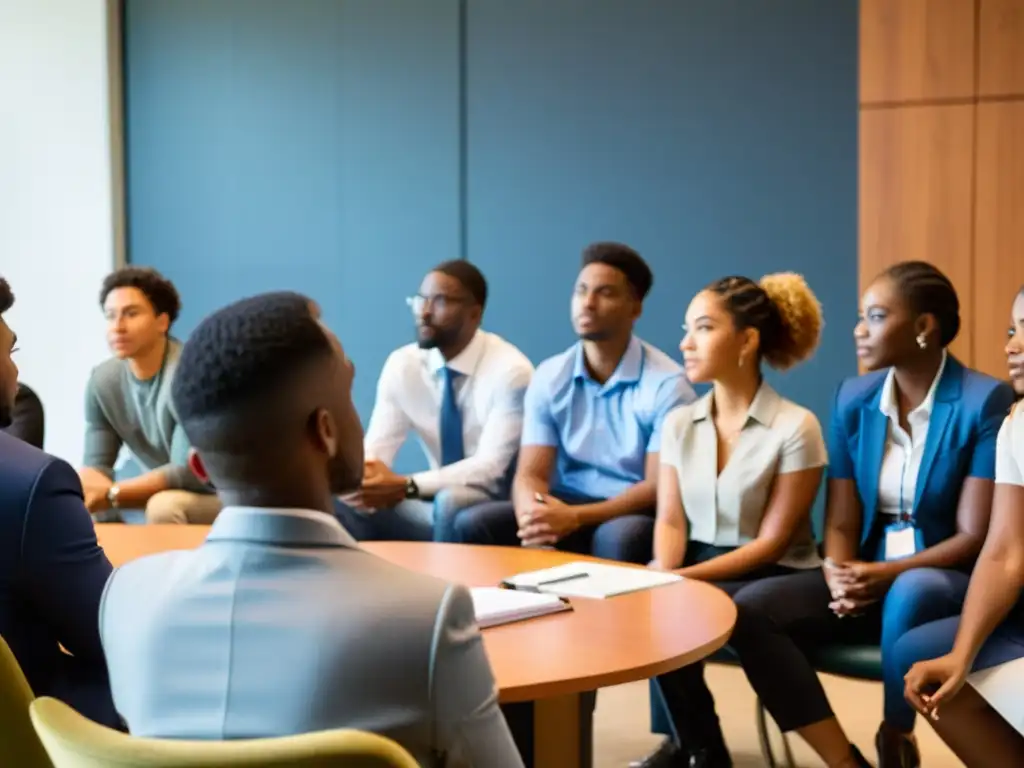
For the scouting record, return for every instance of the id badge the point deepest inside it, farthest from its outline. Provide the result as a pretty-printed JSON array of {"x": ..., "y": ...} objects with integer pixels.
[{"x": 901, "y": 540}]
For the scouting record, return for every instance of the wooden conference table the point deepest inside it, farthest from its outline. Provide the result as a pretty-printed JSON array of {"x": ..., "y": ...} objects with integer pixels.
[{"x": 549, "y": 661}]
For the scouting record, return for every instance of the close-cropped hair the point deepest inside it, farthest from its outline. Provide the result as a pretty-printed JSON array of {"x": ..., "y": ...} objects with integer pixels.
[
  {"x": 781, "y": 307},
  {"x": 6, "y": 296},
  {"x": 624, "y": 259},
  {"x": 471, "y": 278},
  {"x": 926, "y": 290},
  {"x": 160, "y": 291},
  {"x": 237, "y": 371}
]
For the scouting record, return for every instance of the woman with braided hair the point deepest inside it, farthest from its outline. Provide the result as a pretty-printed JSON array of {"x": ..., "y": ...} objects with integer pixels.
[{"x": 740, "y": 469}]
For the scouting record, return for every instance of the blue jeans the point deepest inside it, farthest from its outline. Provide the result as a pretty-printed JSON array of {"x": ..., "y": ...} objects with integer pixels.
[
  {"x": 629, "y": 538},
  {"x": 917, "y": 597},
  {"x": 936, "y": 638},
  {"x": 412, "y": 519}
]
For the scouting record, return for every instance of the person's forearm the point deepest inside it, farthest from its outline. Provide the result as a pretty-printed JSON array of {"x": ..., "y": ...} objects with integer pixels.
[
  {"x": 106, "y": 472},
  {"x": 957, "y": 550},
  {"x": 636, "y": 499},
  {"x": 737, "y": 563},
  {"x": 525, "y": 487},
  {"x": 136, "y": 492},
  {"x": 669, "y": 544},
  {"x": 994, "y": 590},
  {"x": 841, "y": 544}
]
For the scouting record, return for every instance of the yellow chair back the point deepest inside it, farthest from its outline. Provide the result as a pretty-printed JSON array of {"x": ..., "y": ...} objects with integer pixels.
[
  {"x": 73, "y": 741},
  {"x": 19, "y": 744}
]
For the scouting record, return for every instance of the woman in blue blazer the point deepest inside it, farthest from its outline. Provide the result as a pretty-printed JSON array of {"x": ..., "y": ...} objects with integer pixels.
[{"x": 911, "y": 464}]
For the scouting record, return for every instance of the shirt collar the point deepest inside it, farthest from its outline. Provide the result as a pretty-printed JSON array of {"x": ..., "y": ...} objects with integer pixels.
[
  {"x": 465, "y": 362},
  {"x": 763, "y": 408},
  {"x": 887, "y": 402},
  {"x": 298, "y": 527},
  {"x": 626, "y": 372}
]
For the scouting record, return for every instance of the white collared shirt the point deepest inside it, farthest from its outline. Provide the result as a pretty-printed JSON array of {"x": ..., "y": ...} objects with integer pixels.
[
  {"x": 1010, "y": 449},
  {"x": 489, "y": 394},
  {"x": 901, "y": 462},
  {"x": 727, "y": 508}
]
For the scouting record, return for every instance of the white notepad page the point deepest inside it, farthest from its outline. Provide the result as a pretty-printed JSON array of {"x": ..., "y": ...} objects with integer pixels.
[
  {"x": 594, "y": 580},
  {"x": 494, "y": 606}
]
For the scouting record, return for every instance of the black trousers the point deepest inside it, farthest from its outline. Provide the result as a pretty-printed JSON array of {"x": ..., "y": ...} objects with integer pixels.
[{"x": 681, "y": 703}]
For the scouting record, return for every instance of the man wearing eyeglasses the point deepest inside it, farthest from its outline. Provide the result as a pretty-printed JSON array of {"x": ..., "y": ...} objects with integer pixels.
[{"x": 460, "y": 390}]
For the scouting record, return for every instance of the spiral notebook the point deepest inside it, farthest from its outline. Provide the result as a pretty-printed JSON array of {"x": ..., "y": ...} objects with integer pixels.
[{"x": 494, "y": 606}]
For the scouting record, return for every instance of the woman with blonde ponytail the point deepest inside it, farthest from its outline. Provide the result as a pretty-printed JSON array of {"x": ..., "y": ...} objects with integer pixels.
[{"x": 740, "y": 469}]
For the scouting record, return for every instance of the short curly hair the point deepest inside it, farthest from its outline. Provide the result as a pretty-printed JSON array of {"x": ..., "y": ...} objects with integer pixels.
[
  {"x": 782, "y": 308},
  {"x": 469, "y": 275},
  {"x": 235, "y": 374},
  {"x": 6, "y": 296},
  {"x": 626, "y": 260},
  {"x": 160, "y": 291}
]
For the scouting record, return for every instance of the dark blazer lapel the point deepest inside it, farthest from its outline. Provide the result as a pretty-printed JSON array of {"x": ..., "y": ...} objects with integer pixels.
[
  {"x": 875, "y": 425},
  {"x": 947, "y": 394}
]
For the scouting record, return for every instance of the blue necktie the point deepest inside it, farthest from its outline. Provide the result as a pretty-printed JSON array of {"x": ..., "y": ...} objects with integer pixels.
[{"x": 451, "y": 421}]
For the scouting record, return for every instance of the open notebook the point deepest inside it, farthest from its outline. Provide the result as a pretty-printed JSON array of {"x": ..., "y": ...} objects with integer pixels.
[
  {"x": 595, "y": 580},
  {"x": 494, "y": 606}
]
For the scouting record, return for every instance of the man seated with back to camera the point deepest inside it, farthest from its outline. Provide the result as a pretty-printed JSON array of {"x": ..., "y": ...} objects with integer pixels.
[
  {"x": 588, "y": 462},
  {"x": 264, "y": 392},
  {"x": 460, "y": 390},
  {"x": 128, "y": 402}
]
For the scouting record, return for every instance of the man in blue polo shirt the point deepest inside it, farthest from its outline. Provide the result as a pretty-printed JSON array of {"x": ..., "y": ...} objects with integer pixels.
[{"x": 588, "y": 463}]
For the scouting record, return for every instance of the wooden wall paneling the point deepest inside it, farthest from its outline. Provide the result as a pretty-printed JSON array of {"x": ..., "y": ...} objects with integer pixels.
[
  {"x": 914, "y": 50},
  {"x": 915, "y": 195},
  {"x": 1001, "y": 48},
  {"x": 999, "y": 229}
]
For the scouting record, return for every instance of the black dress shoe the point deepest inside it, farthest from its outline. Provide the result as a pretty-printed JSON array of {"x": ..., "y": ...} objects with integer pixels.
[
  {"x": 668, "y": 755},
  {"x": 896, "y": 749},
  {"x": 718, "y": 757}
]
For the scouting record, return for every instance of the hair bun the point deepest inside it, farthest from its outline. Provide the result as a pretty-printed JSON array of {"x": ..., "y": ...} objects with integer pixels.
[{"x": 801, "y": 318}]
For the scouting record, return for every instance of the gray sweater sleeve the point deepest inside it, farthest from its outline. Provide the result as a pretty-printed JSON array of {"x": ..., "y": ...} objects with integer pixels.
[{"x": 102, "y": 443}]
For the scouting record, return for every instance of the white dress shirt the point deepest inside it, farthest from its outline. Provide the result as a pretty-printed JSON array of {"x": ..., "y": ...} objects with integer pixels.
[
  {"x": 489, "y": 394},
  {"x": 903, "y": 453}
]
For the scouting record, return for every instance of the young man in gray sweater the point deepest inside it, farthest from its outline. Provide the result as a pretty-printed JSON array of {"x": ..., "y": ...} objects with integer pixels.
[{"x": 128, "y": 402}]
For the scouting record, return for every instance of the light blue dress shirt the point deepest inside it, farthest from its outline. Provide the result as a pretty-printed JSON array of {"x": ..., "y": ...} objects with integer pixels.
[{"x": 603, "y": 432}]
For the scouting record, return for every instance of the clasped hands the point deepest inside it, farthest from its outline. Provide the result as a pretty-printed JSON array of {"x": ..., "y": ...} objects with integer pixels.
[
  {"x": 855, "y": 585},
  {"x": 381, "y": 488},
  {"x": 545, "y": 520}
]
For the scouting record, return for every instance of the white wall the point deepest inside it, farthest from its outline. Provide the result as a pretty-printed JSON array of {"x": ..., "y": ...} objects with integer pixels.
[{"x": 56, "y": 231}]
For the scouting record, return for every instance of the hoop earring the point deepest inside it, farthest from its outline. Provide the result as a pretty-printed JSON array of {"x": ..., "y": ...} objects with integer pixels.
[{"x": 922, "y": 342}]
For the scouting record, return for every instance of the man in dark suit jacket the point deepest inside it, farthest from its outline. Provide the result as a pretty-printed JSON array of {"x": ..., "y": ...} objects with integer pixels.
[
  {"x": 27, "y": 419},
  {"x": 52, "y": 570}
]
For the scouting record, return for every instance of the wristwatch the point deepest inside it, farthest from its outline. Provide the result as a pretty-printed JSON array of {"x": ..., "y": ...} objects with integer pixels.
[
  {"x": 112, "y": 493},
  {"x": 412, "y": 491}
]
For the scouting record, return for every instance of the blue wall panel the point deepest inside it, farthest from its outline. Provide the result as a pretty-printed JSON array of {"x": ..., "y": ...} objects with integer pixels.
[
  {"x": 310, "y": 145},
  {"x": 322, "y": 145},
  {"x": 715, "y": 136}
]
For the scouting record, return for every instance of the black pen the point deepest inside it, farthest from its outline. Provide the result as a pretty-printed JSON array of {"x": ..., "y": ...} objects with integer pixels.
[{"x": 560, "y": 579}]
